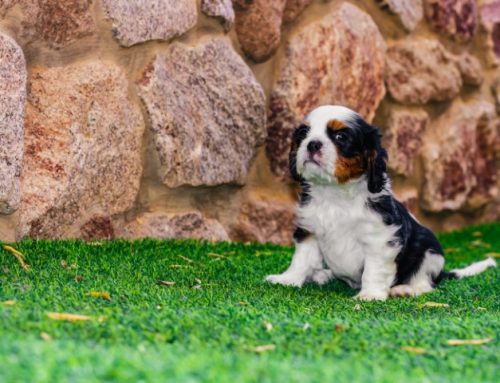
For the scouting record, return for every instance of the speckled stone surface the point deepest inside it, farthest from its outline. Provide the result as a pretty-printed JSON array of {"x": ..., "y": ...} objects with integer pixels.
[
  {"x": 207, "y": 112},
  {"x": 258, "y": 27},
  {"x": 460, "y": 170},
  {"x": 403, "y": 138},
  {"x": 54, "y": 23},
  {"x": 82, "y": 149},
  {"x": 220, "y": 9},
  {"x": 137, "y": 21},
  {"x": 12, "y": 100},
  {"x": 409, "y": 12},
  {"x": 182, "y": 225},
  {"x": 456, "y": 18}
]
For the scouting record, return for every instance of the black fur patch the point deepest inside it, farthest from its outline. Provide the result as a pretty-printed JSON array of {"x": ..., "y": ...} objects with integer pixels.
[
  {"x": 298, "y": 136},
  {"x": 413, "y": 238},
  {"x": 300, "y": 234},
  {"x": 304, "y": 195}
]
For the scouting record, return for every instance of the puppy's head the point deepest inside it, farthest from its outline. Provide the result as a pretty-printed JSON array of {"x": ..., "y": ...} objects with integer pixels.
[{"x": 334, "y": 145}]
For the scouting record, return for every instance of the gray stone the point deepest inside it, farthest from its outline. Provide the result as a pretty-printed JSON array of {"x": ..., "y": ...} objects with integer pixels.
[
  {"x": 82, "y": 156},
  {"x": 137, "y": 21},
  {"x": 12, "y": 100},
  {"x": 180, "y": 225},
  {"x": 207, "y": 113},
  {"x": 338, "y": 59},
  {"x": 220, "y": 9}
]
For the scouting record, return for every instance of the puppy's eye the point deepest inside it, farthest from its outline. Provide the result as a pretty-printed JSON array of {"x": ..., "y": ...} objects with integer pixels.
[{"x": 340, "y": 137}]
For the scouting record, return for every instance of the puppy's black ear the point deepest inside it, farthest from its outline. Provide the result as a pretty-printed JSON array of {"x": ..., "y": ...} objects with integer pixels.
[
  {"x": 376, "y": 158},
  {"x": 298, "y": 136}
]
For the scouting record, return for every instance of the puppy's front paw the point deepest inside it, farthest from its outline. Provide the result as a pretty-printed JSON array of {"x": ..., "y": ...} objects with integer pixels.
[
  {"x": 402, "y": 291},
  {"x": 286, "y": 279},
  {"x": 371, "y": 296}
]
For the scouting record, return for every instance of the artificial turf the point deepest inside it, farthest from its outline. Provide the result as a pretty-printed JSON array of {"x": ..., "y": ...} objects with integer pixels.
[{"x": 212, "y": 323}]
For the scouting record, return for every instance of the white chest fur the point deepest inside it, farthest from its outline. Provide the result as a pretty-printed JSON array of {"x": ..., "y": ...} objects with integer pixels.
[{"x": 346, "y": 229}]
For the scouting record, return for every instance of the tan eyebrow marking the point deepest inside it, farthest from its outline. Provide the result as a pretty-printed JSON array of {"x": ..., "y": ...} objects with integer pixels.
[{"x": 335, "y": 125}]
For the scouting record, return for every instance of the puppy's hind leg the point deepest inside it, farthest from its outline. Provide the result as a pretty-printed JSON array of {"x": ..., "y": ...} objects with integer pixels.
[
  {"x": 306, "y": 262},
  {"x": 422, "y": 281}
]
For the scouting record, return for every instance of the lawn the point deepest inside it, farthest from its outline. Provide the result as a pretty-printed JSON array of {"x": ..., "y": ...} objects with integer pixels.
[{"x": 220, "y": 322}]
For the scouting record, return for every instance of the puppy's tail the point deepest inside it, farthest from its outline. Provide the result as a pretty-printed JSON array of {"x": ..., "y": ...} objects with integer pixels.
[{"x": 473, "y": 269}]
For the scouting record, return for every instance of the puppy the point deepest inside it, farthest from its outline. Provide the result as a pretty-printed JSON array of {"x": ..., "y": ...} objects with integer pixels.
[{"x": 349, "y": 225}]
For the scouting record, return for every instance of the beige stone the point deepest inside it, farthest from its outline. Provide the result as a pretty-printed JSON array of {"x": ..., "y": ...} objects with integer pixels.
[
  {"x": 81, "y": 149},
  {"x": 263, "y": 220},
  {"x": 180, "y": 225}
]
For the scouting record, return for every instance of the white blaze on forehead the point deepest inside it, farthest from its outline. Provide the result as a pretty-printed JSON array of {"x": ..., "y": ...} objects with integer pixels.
[{"x": 319, "y": 117}]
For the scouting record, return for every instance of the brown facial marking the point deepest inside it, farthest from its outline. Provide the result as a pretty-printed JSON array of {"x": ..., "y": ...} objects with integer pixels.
[
  {"x": 348, "y": 168},
  {"x": 335, "y": 125}
]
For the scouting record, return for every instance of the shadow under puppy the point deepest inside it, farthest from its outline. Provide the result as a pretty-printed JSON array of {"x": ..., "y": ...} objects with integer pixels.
[{"x": 349, "y": 225}]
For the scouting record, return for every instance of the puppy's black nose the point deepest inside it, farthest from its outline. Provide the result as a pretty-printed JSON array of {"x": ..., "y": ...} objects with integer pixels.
[{"x": 314, "y": 146}]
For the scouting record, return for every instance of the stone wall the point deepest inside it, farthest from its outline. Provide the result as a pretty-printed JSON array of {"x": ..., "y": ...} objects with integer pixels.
[{"x": 172, "y": 118}]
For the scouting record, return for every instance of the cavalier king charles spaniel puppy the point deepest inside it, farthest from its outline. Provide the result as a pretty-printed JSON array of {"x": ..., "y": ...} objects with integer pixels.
[{"x": 349, "y": 225}]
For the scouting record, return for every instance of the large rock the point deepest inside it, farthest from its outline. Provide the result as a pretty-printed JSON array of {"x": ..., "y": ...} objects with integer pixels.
[
  {"x": 54, "y": 22},
  {"x": 490, "y": 21},
  {"x": 220, "y": 9},
  {"x": 294, "y": 8},
  {"x": 182, "y": 225},
  {"x": 456, "y": 18},
  {"x": 403, "y": 138},
  {"x": 460, "y": 170},
  {"x": 12, "y": 99},
  {"x": 422, "y": 70},
  {"x": 338, "y": 59},
  {"x": 264, "y": 221},
  {"x": 207, "y": 113},
  {"x": 137, "y": 21},
  {"x": 82, "y": 143},
  {"x": 409, "y": 12},
  {"x": 258, "y": 26}
]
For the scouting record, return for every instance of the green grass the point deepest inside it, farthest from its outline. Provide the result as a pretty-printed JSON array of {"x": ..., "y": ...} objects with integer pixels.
[{"x": 184, "y": 333}]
